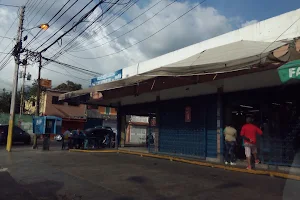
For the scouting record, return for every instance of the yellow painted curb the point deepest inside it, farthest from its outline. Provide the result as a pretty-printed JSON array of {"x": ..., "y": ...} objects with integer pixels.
[
  {"x": 93, "y": 151},
  {"x": 194, "y": 162}
]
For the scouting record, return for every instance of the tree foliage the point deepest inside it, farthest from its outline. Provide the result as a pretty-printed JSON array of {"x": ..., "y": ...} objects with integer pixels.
[
  {"x": 68, "y": 86},
  {"x": 5, "y": 99},
  {"x": 32, "y": 91}
]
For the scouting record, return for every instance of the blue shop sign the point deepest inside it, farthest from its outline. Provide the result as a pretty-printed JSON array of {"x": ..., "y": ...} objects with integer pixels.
[{"x": 106, "y": 78}]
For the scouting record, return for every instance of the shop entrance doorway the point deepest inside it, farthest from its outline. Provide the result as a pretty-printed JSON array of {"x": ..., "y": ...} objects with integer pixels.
[
  {"x": 277, "y": 112},
  {"x": 236, "y": 117}
]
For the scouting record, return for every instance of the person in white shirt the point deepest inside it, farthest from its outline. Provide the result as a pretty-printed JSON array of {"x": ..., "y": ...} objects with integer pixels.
[
  {"x": 65, "y": 138},
  {"x": 230, "y": 134}
]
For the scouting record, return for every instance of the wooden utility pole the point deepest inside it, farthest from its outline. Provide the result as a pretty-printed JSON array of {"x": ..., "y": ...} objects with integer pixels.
[
  {"x": 23, "y": 88},
  {"x": 38, "y": 94},
  {"x": 38, "y": 98},
  {"x": 17, "y": 50}
]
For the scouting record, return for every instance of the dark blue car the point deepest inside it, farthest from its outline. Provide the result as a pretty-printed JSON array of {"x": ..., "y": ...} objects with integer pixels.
[{"x": 19, "y": 135}]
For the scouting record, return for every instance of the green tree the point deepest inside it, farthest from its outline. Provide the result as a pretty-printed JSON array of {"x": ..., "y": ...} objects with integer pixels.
[
  {"x": 68, "y": 86},
  {"x": 5, "y": 99},
  {"x": 32, "y": 91}
]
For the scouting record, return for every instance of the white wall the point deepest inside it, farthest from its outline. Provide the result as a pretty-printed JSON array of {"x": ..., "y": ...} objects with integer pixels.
[{"x": 267, "y": 31}]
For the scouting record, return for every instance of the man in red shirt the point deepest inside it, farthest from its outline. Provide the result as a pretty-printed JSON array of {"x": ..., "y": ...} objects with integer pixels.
[{"x": 249, "y": 132}]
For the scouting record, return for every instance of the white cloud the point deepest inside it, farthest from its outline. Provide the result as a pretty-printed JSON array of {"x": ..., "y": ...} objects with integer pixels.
[
  {"x": 200, "y": 24},
  {"x": 247, "y": 23}
]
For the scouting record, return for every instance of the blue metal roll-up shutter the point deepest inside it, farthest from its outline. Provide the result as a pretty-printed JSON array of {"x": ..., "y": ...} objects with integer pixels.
[
  {"x": 211, "y": 126},
  {"x": 187, "y": 138}
]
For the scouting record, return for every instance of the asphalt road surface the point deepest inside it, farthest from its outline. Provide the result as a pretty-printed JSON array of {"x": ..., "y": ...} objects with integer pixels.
[{"x": 37, "y": 175}]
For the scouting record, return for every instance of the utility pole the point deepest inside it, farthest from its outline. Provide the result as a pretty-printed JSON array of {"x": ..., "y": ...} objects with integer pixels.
[
  {"x": 17, "y": 50},
  {"x": 23, "y": 87},
  {"x": 38, "y": 95}
]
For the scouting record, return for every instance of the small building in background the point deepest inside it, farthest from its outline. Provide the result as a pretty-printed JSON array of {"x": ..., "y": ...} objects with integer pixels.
[
  {"x": 101, "y": 116},
  {"x": 136, "y": 131},
  {"x": 73, "y": 115}
]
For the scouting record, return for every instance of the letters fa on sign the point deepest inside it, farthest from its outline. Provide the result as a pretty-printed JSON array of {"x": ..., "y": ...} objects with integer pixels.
[{"x": 294, "y": 72}]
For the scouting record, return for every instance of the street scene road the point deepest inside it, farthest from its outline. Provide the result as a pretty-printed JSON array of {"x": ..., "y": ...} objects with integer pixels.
[
  {"x": 200, "y": 97},
  {"x": 35, "y": 174}
]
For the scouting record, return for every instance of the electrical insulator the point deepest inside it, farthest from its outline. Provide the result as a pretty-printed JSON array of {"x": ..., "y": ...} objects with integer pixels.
[
  {"x": 28, "y": 77},
  {"x": 24, "y": 62},
  {"x": 21, "y": 74}
]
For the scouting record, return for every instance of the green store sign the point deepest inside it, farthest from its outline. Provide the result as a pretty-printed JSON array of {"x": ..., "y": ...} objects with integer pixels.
[{"x": 289, "y": 71}]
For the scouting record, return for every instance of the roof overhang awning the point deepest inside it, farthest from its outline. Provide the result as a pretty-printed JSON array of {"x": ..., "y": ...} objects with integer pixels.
[{"x": 227, "y": 58}]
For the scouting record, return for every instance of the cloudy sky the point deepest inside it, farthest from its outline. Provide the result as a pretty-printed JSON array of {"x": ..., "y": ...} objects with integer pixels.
[{"x": 113, "y": 41}]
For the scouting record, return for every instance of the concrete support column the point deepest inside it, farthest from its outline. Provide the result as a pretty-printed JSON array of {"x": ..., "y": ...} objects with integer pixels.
[
  {"x": 121, "y": 122},
  {"x": 157, "y": 124},
  {"x": 220, "y": 139}
]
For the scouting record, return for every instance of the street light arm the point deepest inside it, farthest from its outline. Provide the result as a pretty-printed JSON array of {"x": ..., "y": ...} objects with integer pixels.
[{"x": 41, "y": 26}]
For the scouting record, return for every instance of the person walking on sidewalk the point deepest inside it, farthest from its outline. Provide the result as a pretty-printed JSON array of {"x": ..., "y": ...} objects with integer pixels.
[
  {"x": 249, "y": 132},
  {"x": 230, "y": 134},
  {"x": 65, "y": 138}
]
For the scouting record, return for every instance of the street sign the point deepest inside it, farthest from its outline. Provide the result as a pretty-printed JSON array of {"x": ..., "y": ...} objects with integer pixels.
[
  {"x": 106, "y": 78},
  {"x": 46, "y": 83}
]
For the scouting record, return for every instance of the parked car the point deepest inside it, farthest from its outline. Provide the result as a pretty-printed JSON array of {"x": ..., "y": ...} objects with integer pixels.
[
  {"x": 98, "y": 135},
  {"x": 19, "y": 135},
  {"x": 104, "y": 127}
]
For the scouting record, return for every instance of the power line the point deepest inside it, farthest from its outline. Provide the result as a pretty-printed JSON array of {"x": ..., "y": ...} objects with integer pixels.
[
  {"x": 7, "y": 37},
  {"x": 1, "y": 4},
  {"x": 37, "y": 12},
  {"x": 38, "y": 22},
  {"x": 106, "y": 23},
  {"x": 131, "y": 29},
  {"x": 51, "y": 20},
  {"x": 3, "y": 61},
  {"x": 73, "y": 67},
  {"x": 144, "y": 38},
  {"x": 9, "y": 28},
  {"x": 28, "y": 2},
  {"x": 63, "y": 12},
  {"x": 60, "y": 52},
  {"x": 81, "y": 20},
  {"x": 66, "y": 24},
  {"x": 29, "y": 7},
  {"x": 7, "y": 57},
  {"x": 123, "y": 25},
  {"x": 280, "y": 35},
  {"x": 34, "y": 6},
  {"x": 6, "y": 62},
  {"x": 65, "y": 74}
]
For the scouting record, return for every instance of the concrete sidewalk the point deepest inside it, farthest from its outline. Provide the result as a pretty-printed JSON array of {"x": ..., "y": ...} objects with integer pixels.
[{"x": 261, "y": 169}]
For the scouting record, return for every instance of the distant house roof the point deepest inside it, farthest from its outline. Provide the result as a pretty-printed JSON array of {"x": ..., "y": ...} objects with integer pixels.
[
  {"x": 94, "y": 113},
  {"x": 58, "y": 91}
]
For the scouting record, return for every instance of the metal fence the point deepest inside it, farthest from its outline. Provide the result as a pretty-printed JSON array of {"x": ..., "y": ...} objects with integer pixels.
[{"x": 279, "y": 151}]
